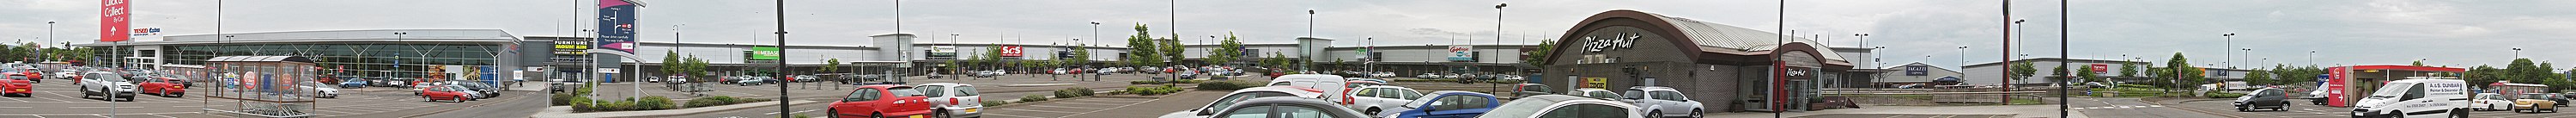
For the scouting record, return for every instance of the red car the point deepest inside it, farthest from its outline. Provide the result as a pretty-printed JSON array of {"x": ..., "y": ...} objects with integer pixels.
[
  {"x": 881, "y": 101},
  {"x": 164, "y": 86},
  {"x": 451, "y": 94},
  {"x": 18, "y": 85}
]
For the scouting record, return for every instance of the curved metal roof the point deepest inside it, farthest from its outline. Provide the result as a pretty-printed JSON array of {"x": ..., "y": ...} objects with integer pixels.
[
  {"x": 1729, "y": 37},
  {"x": 259, "y": 59}
]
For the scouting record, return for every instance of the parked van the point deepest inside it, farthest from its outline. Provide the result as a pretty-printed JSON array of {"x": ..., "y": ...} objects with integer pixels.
[
  {"x": 1332, "y": 86},
  {"x": 2416, "y": 98}
]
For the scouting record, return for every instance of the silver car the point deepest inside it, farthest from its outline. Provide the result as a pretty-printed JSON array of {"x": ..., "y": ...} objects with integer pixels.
[
  {"x": 1562, "y": 106},
  {"x": 1660, "y": 101},
  {"x": 1286, "y": 107}
]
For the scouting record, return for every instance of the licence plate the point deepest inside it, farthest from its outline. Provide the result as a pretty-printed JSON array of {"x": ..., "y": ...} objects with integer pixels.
[{"x": 970, "y": 110}]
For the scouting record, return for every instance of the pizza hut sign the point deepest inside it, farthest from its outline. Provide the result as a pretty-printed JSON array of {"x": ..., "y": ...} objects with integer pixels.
[{"x": 1612, "y": 42}]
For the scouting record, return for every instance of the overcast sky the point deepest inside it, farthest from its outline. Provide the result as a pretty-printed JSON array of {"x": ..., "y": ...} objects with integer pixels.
[{"x": 2447, "y": 32}]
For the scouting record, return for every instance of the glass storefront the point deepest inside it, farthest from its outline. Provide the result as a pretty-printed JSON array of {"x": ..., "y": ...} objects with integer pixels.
[{"x": 374, "y": 60}]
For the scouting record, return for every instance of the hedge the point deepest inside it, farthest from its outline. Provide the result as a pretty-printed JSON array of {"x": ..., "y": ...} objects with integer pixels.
[
  {"x": 1151, "y": 90},
  {"x": 1228, "y": 85},
  {"x": 1030, "y": 98},
  {"x": 1072, "y": 92}
]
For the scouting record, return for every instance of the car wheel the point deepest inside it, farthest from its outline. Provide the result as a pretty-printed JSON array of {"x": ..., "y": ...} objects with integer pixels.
[
  {"x": 944, "y": 114},
  {"x": 1655, "y": 114},
  {"x": 426, "y": 99},
  {"x": 2242, "y": 109},
  {"x": 877, "y": 115},
  {"x": 1371, "y": 111},
  {"x": 1695, "y": 113},
  {"x": 831, "y": 113}
]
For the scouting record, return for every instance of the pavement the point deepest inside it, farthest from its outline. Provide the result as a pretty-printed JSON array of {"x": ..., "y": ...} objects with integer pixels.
[
  {"x": 2302, "y": 109},
  {"x": 60, "y": 98},
  {"x": 2013, "y": 111}
]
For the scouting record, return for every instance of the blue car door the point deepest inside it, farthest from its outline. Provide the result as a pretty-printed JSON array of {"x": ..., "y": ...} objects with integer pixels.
[{"x": 1461, "y": 106}]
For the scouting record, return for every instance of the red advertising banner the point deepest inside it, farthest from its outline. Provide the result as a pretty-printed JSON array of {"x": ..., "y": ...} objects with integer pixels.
[
  {"x": 112, "y": 20},
  {"x": 2101, "y": 68},
  {"x": 1011, "y": 51}
]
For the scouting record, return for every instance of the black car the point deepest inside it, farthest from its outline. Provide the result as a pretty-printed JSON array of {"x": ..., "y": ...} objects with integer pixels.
[
  {"x": 2272, "y": 98},
  {"x": 559, "y": 87},
  {"x": 2556, "y": 97}
]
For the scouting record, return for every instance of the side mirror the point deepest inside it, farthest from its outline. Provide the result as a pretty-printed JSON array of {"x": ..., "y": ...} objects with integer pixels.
[{"x": 1204, "y": 112}]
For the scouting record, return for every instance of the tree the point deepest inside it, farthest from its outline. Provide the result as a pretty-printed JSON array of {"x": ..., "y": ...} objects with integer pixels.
[
  {"x": 1171, "y": 49},
  {"x": 2258, "y": 77},
  {"x": 1275, "y": 61},
  {"x": 1226, "y": 51},
  {"x": 2060, "y": 76},
  {"x": 2023, "y": 69},
  {"x": 830, "y": 65},
  {"x": 1141, "y": 49},
  {"x": 670, "y": 62},
  {"x": 1081, "y": 56},
  {"x": 2483, "y": 74},
  {"x": 2419, "y": 62},
  {"x": 2522, "y": 70},
  {"x": 2128, "y": 69},
  {"x": 1539, "y": 57},
  {"x": 2090, "y": 76},
  {"x": 2183, "y": 72}
]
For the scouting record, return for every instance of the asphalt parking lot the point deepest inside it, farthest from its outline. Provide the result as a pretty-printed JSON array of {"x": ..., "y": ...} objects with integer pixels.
[
  {"x": 1008, "y": 87},
  {"x": 2301, "y": 109},
  {"x": 60, "y": 98}
]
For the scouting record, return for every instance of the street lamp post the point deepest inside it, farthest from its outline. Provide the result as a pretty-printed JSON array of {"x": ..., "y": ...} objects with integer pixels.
[
  {"x": 2249, "y": 53},
  {"x": 2017, "y": 35},
  {"x": 2231, "y": 43},
  {"x": 2517, "y": 52}
]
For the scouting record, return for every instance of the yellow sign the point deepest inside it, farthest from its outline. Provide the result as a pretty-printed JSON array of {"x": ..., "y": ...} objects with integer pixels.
[
  {"x": 1595, "y": 82},
  {"x": 571, "y": 46}
]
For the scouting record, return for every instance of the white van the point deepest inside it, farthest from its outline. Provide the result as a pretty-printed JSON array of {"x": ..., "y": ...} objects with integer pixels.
[
  {"x": 1331, "y": 85},
  {"x": 2419, "y": 98}
]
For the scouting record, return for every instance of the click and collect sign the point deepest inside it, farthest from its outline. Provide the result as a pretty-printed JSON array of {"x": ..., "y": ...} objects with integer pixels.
[{"x": 112, "y": 20}]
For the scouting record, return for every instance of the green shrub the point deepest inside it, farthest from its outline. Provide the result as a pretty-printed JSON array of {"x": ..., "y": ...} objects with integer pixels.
[
  {"x": 1228, "y": 85},
  {"x": 1072, "y": 92},
  {"x": 710, "y": 101},
  {"x": 2217, "y": 94},
  {"x": 561, "y": 99},
  {"x": 748, "y": 100},
  {"x": 1033, "y": 98},
  {"x": 655, "y": 103},
  {"x": 1152, "y": 90},
  {"x": 802, "y": 116},
  {"x": 577, "y": 101},
  {"x": 1000, "y": 103}
]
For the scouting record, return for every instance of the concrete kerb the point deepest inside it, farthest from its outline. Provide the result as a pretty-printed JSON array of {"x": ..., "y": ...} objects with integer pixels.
[
  {"x": 2190, "y": 109},
  {"x": 551, "y": 112}
]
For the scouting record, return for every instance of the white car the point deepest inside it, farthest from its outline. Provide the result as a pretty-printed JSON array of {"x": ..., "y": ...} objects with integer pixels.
[
  {"x": 1374, "y": 99},
  {"x": 1426, "y": 76},
  {"x": 107, "y": 85},
  {"x": 952, "y": 100},
  {"x": 2490, "y": 101},
  {"x": 1557, "y": 106},
  {"x": 322, "y": 92},
  {"x": 1245, "y": 94},
  {"x": 1661, "y": 101},
  {"x": 1594, "y": 93},
  {"x": 2415, "y": 97},
  {"x": 1331, "y": 85}
]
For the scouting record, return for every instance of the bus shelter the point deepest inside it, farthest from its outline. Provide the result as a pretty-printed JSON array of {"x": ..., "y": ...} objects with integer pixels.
[
  {"x": 2345, "y": 84},
  {"x": 262, "y": 86}
]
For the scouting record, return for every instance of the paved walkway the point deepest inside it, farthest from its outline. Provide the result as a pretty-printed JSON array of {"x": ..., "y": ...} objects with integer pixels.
[{"x": 2016, "y": 111}]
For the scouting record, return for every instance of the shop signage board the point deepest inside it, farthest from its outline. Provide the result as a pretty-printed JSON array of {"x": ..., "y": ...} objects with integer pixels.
[
  {"x": 764, "y": 53},
  {"x": 1011, "y": 51},
  {"x": 1461, "y": 53}
]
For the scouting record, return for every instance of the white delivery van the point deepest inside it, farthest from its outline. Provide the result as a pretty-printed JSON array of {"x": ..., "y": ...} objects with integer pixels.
[
  {"x": 1331, "y": 85},
  {"x": 2417, "y": 98}
]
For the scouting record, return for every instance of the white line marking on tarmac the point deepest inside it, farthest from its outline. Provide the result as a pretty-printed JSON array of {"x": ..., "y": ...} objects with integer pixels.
[
  {"x": 1003, "y": 115},
  {"x": 1059, "y": 106},
  {"x": 1119, "y": 106},
  {"x": 162, "y": 116},
  {"x": 1075, "y": 113},
  {"x": 1085, "y": 103}
]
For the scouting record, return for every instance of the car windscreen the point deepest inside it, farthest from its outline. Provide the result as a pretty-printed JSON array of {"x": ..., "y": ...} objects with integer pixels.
[
  {"x": 1519, "y": 108},
  {"x": 965, "y": 90},
  {"x": 1633, "y": 94},
  {"x": 104, "y": 77},
  {"x": 1229, "y": 100},
  {"x": 904, "y": 91},
  {"x": 2393, "y": 89},
  {"x": 2534, "y": 96}
]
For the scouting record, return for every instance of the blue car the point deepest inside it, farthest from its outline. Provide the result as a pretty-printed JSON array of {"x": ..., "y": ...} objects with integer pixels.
[
  {"x": 353, "y": 83},
  {"x": 1453, "y": 104}
]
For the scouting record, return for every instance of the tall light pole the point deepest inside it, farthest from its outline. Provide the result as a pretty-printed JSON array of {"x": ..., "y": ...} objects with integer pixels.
[
  {"x": 2517, "y": 52},
  {"x": 1310, "y": 22},
  {"x": 2017, "y": 35},
  {"x": 2249, "y": 53},
  {"x": 782, "y": 49},
  {"x": 49, "y": 38},
  {"x": 2312, "y": 57},
  {"x": 1498, "y": 39},
  {"x": 1095, "y": 34},
  {"x": 1864, "y": 41},
  {"x": 2231, "y": 43}
]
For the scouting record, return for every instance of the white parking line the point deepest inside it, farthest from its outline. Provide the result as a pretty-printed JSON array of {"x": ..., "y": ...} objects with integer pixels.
[
  {"x": 1007, "y": 115},
  {"x": 776, "y": 113},
  {"x": 1077, "y": 113},
  {"x": 1070, "y": 102},
  {"x": 162, "y": 116},
  {"x": 16, "y": 99}
]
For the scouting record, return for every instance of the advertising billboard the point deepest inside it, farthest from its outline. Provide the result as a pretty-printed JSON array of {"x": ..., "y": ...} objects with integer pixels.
[
  {"x": 617, "y": 19},
  {"x": 1460, "y": 53},
  {"x": 942, "y": 52},
  {"x": 764, "y": 53},
  {"x": 112, "y": 20},
  {"x": 1916, "y": 70},
  {"x": 1011, "y": 51}
]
